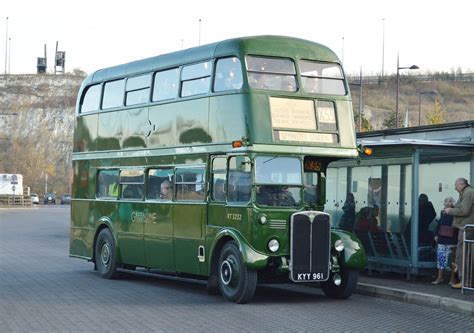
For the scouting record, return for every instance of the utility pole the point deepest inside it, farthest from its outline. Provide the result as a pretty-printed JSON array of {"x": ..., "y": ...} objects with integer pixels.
[
  {"x": 343, "y": 49},
  {"x": 199, "y": 32},
  {"x": 9, "y": 54},
  {"x": 55, "y": 57},
  {"x": 6, "y": 47},
  {"x": 383, "y": 47},
  {"x": 360, "y": 100}
]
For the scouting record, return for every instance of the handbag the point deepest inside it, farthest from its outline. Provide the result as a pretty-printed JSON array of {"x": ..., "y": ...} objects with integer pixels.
[{"x": 446, "y": 231}]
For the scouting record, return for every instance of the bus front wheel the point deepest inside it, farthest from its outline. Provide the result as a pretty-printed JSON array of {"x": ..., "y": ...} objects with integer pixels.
[
  {"x": 105, "y": 255},
  {"x": 236, "y": 282},
  {"x": 349, "y": 278}
]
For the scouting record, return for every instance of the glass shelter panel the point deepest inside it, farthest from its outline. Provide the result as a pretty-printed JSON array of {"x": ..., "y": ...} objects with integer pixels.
[
  {"x": 436, "y": 185},
  {"x": 395, "y": 208},
  {"x": 336, "y": 189},
  {"x": 310, "y": 187}
]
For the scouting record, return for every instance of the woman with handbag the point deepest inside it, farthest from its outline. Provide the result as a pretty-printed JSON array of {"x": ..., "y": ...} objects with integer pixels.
[{"x": 446, "y": 238}]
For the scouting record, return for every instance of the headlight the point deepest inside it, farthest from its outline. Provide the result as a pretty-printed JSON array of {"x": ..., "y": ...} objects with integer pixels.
[
  {"x": 273, "y": 245},
  {"x": 263, "y": 219},
  {"x": 339, "y": 245}
]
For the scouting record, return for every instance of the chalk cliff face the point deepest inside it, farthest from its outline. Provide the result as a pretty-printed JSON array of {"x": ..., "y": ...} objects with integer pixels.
[
  {"x": 39, "y": 101},
  {"x": 38, "y": 109}
]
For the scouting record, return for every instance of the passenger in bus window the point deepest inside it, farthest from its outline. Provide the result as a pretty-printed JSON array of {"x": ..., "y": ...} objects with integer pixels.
[
  {"x": 284, "y": 197},
  {"x": 310, "y": 84},
  {"x": 113, "y": 190},
  {"x": 258, "y": 81},
  {"x": 274, "y": 82},
  {"x": 265, "y": 195},
  {"x": 153, "y": 186},
  {"x": 166, "y": 190},
  {"x": 132, "y": 191},
  {"x": 288, "y": 83}
]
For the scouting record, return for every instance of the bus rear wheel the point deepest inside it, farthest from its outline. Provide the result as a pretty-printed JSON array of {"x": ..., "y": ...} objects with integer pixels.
[
  {"x": 348, "y": 283},
  {"x": 105, "y": 255},
  {"x": 236, "y": 282}
]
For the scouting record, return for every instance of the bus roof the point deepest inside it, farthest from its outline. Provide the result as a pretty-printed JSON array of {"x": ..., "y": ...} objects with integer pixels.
[{"x": 264, "y": 45}]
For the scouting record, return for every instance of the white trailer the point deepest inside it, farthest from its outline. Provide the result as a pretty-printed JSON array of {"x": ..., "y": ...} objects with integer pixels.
[{"x": 11, "y": 184}]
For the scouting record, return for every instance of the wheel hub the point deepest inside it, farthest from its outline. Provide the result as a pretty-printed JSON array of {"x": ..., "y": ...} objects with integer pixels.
[
  {"x": 226, "y": 272},
  {"x": 105, "y": 254}
]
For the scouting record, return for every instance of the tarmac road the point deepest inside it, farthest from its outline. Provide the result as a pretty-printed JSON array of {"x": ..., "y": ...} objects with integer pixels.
[{"x": 43, "y": 290}]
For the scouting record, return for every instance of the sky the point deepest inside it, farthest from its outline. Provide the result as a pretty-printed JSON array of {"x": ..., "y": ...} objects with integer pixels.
[{"x": 435, "y": 35}]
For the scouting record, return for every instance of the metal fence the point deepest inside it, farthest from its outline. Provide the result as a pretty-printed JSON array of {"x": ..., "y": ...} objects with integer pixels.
[
  {"x": 15, "y": 200},
  {"x": 468, "y": 259},
  {"x": 376, "y": 79}
]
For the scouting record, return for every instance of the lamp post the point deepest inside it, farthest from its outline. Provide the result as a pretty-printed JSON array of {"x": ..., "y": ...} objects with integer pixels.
[
  {"x": 431, "y": 92},
  {"x": 398, "y": 86}
]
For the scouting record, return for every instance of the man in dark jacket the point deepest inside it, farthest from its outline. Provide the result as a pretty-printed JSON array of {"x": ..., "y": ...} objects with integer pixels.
[{"x": 426, "y": 215}]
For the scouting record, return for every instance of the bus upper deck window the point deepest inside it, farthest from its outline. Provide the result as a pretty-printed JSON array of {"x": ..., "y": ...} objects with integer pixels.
[
  {"x": 322, "y": 78},
  {"x": 271, "y": 73},
  {"x": 196, "y": 79},
  {"x": 228, "y": 74},
  {"x": 113, "y": 94},
  {"x": 91, "y": 99},
  {"x": 166, "y": 85},
  {"x": 137, "y": 89}
]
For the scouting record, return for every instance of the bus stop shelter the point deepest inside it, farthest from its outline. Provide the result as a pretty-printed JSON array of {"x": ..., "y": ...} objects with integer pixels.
[{"x": 386, "y": 189}]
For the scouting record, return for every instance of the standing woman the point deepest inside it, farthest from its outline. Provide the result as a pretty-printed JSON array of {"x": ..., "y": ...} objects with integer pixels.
[{"x": 446, "y": 238}]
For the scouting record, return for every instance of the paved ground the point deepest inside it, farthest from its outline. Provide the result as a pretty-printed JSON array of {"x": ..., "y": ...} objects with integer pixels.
[
  {"x": 43, "y": 290},
  {"x": 420, "y": 285}
]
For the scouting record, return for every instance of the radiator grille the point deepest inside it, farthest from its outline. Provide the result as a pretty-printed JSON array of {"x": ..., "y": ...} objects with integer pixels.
[{"x": 310, "y": 246}]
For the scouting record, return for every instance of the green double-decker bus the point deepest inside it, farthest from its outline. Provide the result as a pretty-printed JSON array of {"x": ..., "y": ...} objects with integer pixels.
[{"x": 210, "y": 163}]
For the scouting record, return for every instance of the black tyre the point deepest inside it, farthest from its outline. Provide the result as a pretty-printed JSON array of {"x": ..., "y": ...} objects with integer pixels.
[
  {"x": 105, "y": 255},
  {"x": 236, "y": 282},
  {"x": 347, "y": 286}
]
